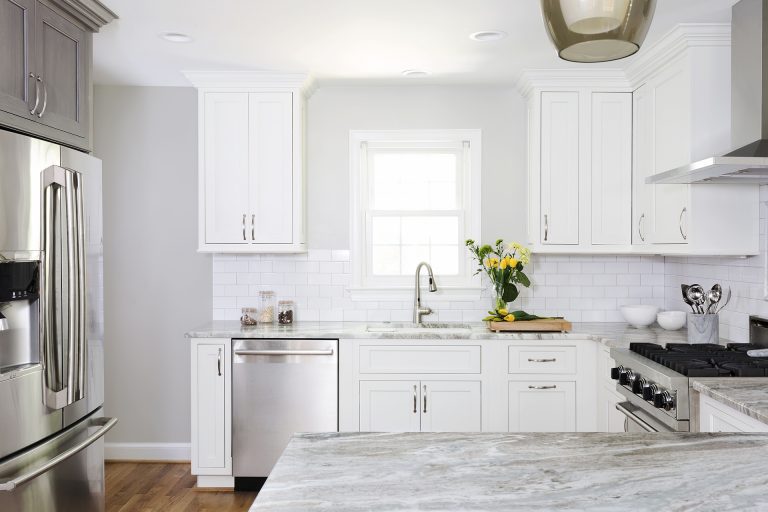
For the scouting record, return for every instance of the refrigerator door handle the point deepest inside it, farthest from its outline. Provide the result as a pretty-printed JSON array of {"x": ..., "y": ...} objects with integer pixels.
[
  {"x": 63, "y": 315},
  {"x": 105, "y": 425}
]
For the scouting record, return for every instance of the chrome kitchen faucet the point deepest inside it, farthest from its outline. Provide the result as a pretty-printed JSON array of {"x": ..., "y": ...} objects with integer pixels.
[{"x": 419, "y": 311}]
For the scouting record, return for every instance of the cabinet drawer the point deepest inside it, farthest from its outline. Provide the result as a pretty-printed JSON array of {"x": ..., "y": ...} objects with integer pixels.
[
  {"x": 419, "y": 359},
  {"x": 542, "y": 359}
]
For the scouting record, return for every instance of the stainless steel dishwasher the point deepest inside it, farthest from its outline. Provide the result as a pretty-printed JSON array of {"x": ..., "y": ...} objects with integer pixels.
[{"x": 280, "y": 387}]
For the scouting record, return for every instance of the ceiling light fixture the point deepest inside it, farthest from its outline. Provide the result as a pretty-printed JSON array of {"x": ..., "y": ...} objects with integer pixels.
[
  {"x": 414, "y": 73},
  {"x": 597, "y": 30},
  {"x": 488, "y": 35},
  {"x": 176, "y": 37}
]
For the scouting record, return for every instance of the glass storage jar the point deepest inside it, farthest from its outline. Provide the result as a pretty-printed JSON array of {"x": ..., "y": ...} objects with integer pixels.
[
  {"x": 267, "y": 307},
  {"x": 286, "y": 312}
]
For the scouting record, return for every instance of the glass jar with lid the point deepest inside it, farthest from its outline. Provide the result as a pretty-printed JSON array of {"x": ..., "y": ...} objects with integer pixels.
[
  {"x": 267, "y": 307},
  {"x": 286, "y": 312}
]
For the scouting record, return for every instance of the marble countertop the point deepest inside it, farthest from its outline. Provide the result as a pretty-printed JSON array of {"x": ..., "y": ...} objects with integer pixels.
[
  {"x": 485, "y": 472},
  {"x": 610, "y": 334},
  {"x": 745, "y": 394}
]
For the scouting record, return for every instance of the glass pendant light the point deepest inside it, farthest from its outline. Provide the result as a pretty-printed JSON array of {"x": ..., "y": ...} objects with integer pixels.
[{"x": 597, "y": 30}]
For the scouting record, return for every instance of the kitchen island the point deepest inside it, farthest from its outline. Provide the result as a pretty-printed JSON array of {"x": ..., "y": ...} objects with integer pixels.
[{"x": 482, "y": 472}]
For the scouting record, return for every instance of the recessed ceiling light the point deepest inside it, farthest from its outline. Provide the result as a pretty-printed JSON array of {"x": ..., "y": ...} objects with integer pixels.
[
  {"x": 488, "y": 35},
  {"x": 176, "y": 37},
  {"x": 415, "y": 73}
]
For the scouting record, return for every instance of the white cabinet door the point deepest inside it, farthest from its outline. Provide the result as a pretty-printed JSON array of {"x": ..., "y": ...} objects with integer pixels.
[
  {"x": 541, "y": 406},
  {"x": 390, "y": 406},
  {"x": 210, "y": 412},
  {"x": 271, "y": 162},
  {"x": 226, "y": 172},
  {"x": 671, "y": 98},
  {"x": 560, "y": 168},
  {"x": 642, "y": 166},
  {"x": 450, "y": 406},
  {"x": 717, "y": 417},
  {"x": 611, "y": 168}
]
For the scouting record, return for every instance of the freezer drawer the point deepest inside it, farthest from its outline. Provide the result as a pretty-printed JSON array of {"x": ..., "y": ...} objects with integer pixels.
[
  {"x": 280, "y": 387},
  {"x": 63, "y": 474}
]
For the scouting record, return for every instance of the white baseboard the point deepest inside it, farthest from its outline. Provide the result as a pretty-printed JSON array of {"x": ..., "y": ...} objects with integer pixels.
[{"x": 172, "y": 452}]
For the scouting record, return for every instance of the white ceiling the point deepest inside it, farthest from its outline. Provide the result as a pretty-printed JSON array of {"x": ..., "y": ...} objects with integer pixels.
[{"x": 344, "y": 41}]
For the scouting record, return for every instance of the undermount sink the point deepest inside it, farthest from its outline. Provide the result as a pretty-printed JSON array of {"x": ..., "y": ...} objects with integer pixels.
[{"x": 426, "y": 328}]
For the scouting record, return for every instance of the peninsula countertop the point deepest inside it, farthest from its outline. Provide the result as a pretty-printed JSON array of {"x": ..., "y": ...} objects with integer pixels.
[
  {"x": 745, "y": 394},
  {"x": 489, "y": 472}
]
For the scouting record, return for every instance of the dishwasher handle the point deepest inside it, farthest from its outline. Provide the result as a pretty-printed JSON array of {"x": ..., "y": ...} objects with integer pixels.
[{"x": 277, "y": 352}]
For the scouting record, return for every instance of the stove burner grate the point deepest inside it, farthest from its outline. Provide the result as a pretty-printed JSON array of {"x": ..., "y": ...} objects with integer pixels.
[{"x": 705, "y": 360}]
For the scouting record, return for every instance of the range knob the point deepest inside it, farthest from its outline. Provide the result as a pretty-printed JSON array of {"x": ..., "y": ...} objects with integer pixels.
[
  {"x": 649, "y": 392},
  {"x": 638, "y": 385},
  {"x": 663, "y": 400},
  {"x": 616, "y": 372},
  {"x": 625, "y": 377}
]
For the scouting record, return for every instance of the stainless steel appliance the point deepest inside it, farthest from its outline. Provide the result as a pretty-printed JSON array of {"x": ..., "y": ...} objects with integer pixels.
[
  {"x": 280, "y": 387},
  {"x": 51, "y": 340},
  {"x": 654, "y": 378}
]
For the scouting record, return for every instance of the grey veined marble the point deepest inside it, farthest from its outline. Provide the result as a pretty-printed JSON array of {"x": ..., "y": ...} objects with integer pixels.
[
  {"x": 748, "y": 395},
  {"x": 519, "y": 472}
]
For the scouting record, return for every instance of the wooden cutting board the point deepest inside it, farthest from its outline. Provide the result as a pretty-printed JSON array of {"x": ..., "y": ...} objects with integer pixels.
[{"x": 548, "y": 325}]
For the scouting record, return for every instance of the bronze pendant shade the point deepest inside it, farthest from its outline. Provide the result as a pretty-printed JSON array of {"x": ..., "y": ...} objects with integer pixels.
[{"x": 597, "y": 30}]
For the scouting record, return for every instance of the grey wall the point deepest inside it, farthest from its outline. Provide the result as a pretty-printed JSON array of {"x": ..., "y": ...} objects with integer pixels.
[
  {"x": 156, "y": 285},
  {"x": 333, "y": 111}
]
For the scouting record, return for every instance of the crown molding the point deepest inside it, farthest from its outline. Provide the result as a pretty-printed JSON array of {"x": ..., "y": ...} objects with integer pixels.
[
  {"x": 604, "y": 78},
  {"x": 92, "y": 13},
  {"x": 673, "y": 44},
  {"x": 240, "y": 79}
]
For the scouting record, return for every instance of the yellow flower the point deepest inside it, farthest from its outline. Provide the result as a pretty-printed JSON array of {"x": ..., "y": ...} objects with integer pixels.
[
  {"x": 509, "y": 318},
  {"x": 492, "y": 262},
  {"x": 503, "y": 312},
  {"x": 512, "y": 262},
  {"x": 503, "y": 263}
]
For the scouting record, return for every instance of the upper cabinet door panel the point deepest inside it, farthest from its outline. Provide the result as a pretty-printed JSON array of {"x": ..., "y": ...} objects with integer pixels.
[
  {"x": 642, "y": 166},
  {"x": 560, "y": 168},
  {"x": 226, "y": 176},
  {"x": 61, "y": 64},
  {"x": 611, "y": 168},
  {"x": 271, "y": 154},
  {"x": 16, "y": 51}
]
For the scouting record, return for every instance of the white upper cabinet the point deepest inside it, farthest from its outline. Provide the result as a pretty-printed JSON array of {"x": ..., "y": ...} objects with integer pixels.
[{"x": 251, "y": 162}]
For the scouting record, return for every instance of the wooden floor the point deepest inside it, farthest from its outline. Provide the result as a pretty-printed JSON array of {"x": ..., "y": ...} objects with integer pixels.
[{"x": 145, "y": 487}]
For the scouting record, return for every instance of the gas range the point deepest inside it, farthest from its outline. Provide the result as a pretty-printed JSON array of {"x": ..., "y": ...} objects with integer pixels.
[{"x": 654, "y": 379}]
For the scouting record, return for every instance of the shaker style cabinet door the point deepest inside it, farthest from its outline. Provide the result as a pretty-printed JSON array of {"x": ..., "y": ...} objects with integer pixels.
[
  {"x": 210, "y": 415},
  {"x": 560, "y": 168},
  {"x": 450, "y": 406},
  {"x": 390, "y": 406},
  {"x": 642, "y": 168},
  {"x": 541, "y": 406},
  {"x": 17, "y": 88},
  {"x": 271, "y": 163},
  {"x": 226, "y": 177},
  {"x": 61, "y": 59}
]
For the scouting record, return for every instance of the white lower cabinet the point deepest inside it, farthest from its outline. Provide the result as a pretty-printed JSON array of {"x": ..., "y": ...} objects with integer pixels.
[
  {"x": 420, "y": 406},
  {"x": 542, "y": 406},
  {"x": 718, "y": 417},
  {"x": 211, "y": 407}
]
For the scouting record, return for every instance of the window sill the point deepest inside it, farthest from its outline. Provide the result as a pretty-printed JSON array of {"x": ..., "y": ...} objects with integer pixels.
[{"x": 407, "y": 293}]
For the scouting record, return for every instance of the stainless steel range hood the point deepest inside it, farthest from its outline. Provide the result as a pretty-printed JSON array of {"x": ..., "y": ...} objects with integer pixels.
[{"x": 749, "y": 107}]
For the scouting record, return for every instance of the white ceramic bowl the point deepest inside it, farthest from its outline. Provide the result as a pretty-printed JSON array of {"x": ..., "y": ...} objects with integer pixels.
[
  {"x": 639, "y": 315},
  {"x": 672, "y": 320}
]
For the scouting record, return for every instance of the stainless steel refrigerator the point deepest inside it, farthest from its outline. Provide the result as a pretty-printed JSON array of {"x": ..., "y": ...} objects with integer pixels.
[{"x": 51, "y": 328}]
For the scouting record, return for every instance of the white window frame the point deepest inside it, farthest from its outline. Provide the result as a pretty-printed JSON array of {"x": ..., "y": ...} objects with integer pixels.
[{"x": 366, "y": 287}]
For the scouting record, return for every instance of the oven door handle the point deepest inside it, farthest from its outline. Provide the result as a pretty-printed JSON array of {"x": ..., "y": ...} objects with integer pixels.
[{"x": 634, "y": 417}]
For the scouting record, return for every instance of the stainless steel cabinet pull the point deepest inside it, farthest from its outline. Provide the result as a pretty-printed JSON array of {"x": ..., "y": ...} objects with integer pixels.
[
  {"x": 415, "y": 399},
  {"x": 105, "y": 423},
  {"x": 542, "y": 360},
  {"x": 45, "y": 98},
  {"x": 328, "y": 352},
  {"x": 37, "y": 93},
  {"x": 640, "y": 227},
  {"x": 634, "y": 417},
  {"x": 253, "y": 227},
  {"x": 685, "y": 237},
  {"x": 218, "y": 363},
  {"x": 425, "y": 398},
  {"x": 244, "y": 238},
  {"x": 542, "y": 387},
  {"x": 546, "y": 227}
]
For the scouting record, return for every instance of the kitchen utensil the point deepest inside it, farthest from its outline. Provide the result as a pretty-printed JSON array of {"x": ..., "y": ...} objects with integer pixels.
[
  {"x": 713, "y": 297},
  {"x": 695, "y": 294},
  {"x": 684, "y": 289},
  {"x": 726, "y": 301},
  {"x": 671, "y": 320},
  {"x": 763, "y": 352},
  {"x": 639, "y": 315}
]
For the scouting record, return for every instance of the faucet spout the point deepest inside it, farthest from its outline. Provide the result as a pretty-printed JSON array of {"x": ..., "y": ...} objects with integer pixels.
[{"x": 418, "y": 310}]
